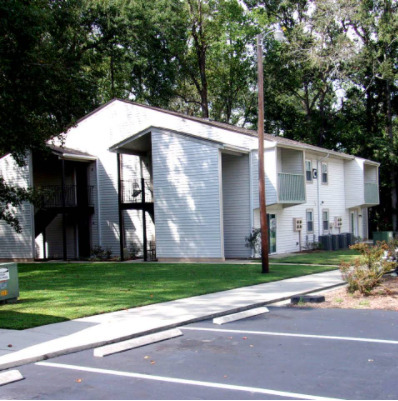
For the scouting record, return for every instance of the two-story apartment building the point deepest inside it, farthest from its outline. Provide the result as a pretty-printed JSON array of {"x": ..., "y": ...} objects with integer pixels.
[{"x": 129, "y": 175}]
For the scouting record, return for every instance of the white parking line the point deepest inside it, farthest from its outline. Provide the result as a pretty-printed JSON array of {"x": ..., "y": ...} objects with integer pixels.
[
  {"x": 274, "y": 333},
  {"x": 185, "y": 381}
]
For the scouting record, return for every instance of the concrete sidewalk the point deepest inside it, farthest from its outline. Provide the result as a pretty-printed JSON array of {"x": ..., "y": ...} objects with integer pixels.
[{"x": 32, "y": 345}]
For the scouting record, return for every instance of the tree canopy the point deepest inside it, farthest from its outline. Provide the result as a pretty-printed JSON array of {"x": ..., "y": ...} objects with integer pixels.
[{"x": 332, "y": 82}]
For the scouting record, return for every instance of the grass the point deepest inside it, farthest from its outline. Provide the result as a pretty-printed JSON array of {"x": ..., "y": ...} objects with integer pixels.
[
  {"x": 55, "y": 292},
  {"x": 319, "y": 257}
]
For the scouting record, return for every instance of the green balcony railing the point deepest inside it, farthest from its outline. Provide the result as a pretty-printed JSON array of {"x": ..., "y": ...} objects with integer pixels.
[
  {"x": 291, "y": 188},
  {"x": 371, "y": 193}
]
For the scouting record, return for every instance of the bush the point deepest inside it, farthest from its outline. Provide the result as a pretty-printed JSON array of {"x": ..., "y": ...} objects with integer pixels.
[
  {"x": 392, "y": 252},
  {"x": 253, "y": 241},
  {"x": 135, "y": 251},
  {"x": 366, "y": 272},
  {"x": 99, "y": 253}
]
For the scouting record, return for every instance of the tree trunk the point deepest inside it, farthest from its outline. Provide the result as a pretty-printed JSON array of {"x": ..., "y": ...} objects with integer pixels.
[{"x": 393, "y": 172}]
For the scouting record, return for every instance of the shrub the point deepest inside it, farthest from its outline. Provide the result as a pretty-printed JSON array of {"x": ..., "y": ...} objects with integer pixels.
[
  {"x": 134, "y": 251},
  {"x": 253, "y": 241},
  {"x": 366, "y": 272},
  {"x": 99, "y": 253},
  {"x": 392, "y": 252}
]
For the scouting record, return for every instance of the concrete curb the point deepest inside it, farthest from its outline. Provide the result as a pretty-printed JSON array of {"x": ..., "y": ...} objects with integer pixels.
[
  {"x": 240, "y": 315},
  {"x": 10, "y": 377},
  {"x": 136, "y": 342}
]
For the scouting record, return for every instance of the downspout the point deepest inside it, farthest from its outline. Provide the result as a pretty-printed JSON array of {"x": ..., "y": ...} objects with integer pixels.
[{"x": 319, "y": 178}]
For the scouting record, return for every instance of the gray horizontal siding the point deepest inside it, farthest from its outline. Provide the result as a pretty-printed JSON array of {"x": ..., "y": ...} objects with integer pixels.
[
  {"x": 12, "y": 244},
  {"x": 236, "y": 205}
]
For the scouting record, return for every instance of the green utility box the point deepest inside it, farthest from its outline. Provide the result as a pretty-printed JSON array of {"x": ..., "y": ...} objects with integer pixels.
[
  {"x": 382, "y": 236},
  {"x": 9, "y": 287}
]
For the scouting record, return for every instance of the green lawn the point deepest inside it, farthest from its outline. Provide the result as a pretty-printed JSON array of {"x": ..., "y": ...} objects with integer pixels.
[
  {"x": 55, "y": 292},
  {"x": 319, "y": 257}
]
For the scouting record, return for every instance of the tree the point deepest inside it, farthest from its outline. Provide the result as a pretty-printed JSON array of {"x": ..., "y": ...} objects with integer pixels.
[
  {"x": 374, "y": 89},
  {"x": 44, "y": 87}
]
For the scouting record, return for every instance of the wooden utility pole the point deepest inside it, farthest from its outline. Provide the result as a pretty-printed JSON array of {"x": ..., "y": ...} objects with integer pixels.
[{"x": 261, "y": 170}]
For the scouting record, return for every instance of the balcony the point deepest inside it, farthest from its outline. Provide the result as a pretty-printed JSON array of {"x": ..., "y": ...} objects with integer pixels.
[
  {"x": 371, "y": 193},
  {"x": 291, "y": 188},
  {"x": 137, "y": 191},
  {"x": 51, "y": 196}
]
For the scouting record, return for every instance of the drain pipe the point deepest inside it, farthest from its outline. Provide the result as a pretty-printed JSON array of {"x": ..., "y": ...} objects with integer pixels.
[{"x": 319, "y": 178}]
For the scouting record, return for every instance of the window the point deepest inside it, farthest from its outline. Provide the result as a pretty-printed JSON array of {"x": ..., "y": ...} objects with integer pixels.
[
  {"x": 308, "y": 170},
  {"x": 325, "y": 220},
  {"x": 310, "y": 221},
  {"x": 324, "y": 173}
]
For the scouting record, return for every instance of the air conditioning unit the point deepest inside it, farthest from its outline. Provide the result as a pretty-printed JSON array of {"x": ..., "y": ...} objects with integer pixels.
[
  {"x": 297, "y": 224},
  {"x": 338, "y": 221}
]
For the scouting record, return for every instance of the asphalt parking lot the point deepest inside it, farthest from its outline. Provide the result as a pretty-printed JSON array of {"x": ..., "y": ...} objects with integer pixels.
[{"x": 288, "y": 353}]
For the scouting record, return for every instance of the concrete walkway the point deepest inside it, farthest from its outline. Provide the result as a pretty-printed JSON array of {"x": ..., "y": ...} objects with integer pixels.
[{"x": 32, "y": 345}]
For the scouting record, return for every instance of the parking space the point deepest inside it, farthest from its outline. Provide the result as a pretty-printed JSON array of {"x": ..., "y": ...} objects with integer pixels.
[{"x": 285, "y": 354}]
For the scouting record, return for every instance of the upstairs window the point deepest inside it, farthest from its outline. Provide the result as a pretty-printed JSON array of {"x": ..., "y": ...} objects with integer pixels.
[
  {"x": 308, "y": 170},
  {"x": 310, "y": 221},
  {"x": 324, "y": 173}
]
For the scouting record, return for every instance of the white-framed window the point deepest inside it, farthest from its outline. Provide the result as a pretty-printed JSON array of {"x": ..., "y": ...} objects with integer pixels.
[
  {"x": 325, "y": 220},
  {"x": 325, "y": 177},
  {"x": 308, "y": 170},
  {"x": 310, "y": 221}
]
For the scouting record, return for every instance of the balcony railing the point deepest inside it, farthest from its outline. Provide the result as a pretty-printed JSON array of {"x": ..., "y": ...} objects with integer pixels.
[
  {"x": 371, "y": 193},
  {"x": 133, "y": 191},
  {"x": 291, "y": 188},
  {"x": 74, "y": 195}
]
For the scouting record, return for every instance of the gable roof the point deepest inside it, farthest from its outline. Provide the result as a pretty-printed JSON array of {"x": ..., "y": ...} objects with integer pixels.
[{"x": 279, "y": 140}]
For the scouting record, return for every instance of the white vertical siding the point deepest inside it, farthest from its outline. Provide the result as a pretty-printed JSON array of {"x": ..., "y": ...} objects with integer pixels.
[
  {"x": 354, "y": 180},
  {"x": 331, "y": 197},
  {"x": 290, "y": 161},
  {"x": 236, "y": 205},
  {"x": 115, "y": 122},
  {"x": 371, "y": 174},
  {"x": 270, "y": 177},
  {"x": 187, "y": 200},
  {"x": 12, "y": 244}
]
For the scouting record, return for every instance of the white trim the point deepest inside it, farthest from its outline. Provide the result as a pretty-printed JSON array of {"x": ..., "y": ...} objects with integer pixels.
[
  {"x": 327, "y": 173},
  {"x": 328, "y": 220},
  {"x": 70, "y": 156},
  {"x": 306, "y": 220},
  {"x": 305, "y": 170}
]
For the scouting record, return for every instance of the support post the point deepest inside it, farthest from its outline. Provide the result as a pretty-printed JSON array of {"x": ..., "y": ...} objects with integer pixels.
[
  {"x": 63, "y": 189},
  {"x": 144, "y": 239},
  {"x": 261, "y": 170},
  {"x": 44, "y": 244},
  {"x": 120, "y": 200}
]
